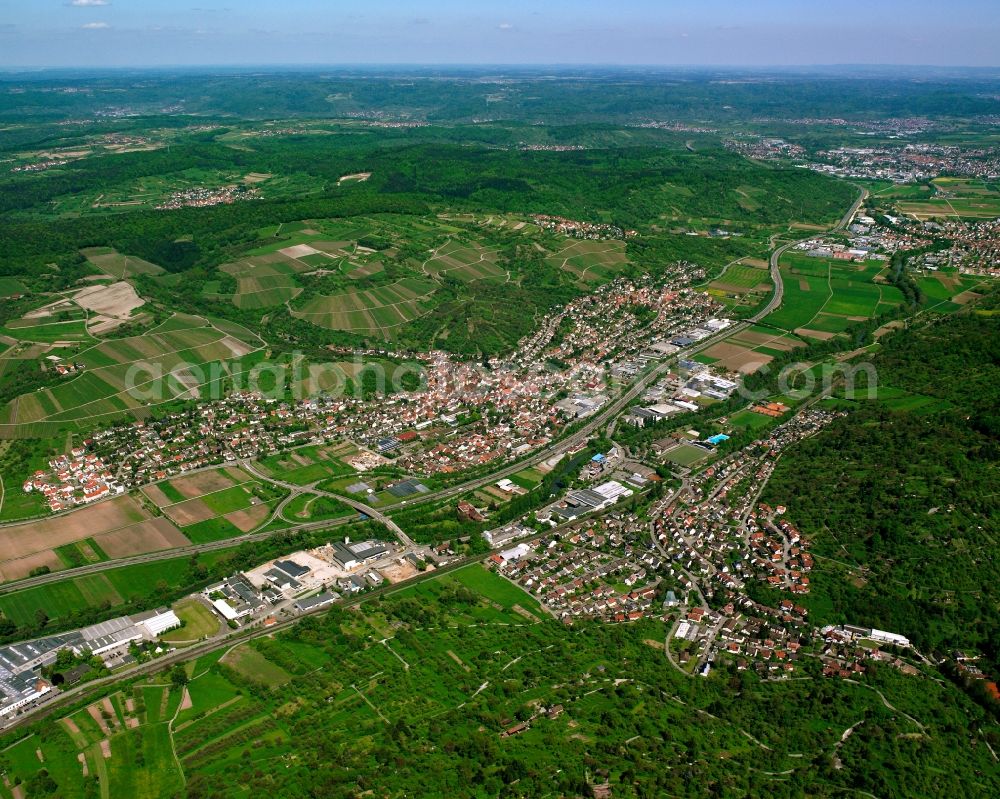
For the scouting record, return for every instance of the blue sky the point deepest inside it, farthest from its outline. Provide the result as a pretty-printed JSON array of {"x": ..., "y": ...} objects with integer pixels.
[{"x": 102, "y": 33}]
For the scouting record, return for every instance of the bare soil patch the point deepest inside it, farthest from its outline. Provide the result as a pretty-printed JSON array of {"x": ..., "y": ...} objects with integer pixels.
[
  {"x": 399, "y": 572},
  {"x": 106, "y": 704},
  {"x": 188, "y": 512},
  {"x": 803, "y": 284},
  {"x": 245, "y": 520},
  {"x": 106, "y": 749},
  {"x": 155, "y": 495},
  {"x": 19, "y": 540},
  {"x": 895, "y": 324},
  {"x": 95, "y": 714},
  {"x": 116, "y": 300},
  {"x": 148, "y": 536},
  {"x": 948, "y": 281},
  {"x": 299, "y": 251},
  {"x": 776, "y": 341},
  {"x": 965, "y": 297},
  {"x": 820, "y": 334},
  {"x": 737, "y": 358},
  {"x": 236, "y": 347},
  {"x": 22, "y": 567},
  {"x": 195, "y": 485},
  {"x": 186, "y": 703},
  {"x": 457, "y": 659}
]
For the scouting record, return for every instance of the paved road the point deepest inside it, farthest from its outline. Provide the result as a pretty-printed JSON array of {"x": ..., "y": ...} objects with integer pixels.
[{"x": 361, "y": 507}]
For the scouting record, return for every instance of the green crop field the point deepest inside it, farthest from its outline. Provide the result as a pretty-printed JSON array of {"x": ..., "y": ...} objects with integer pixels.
[
  {"x": 229, "y": 499},
  {"x": 120, "y": 266},
  {"x": 377, "y": 310},
  {"x": 63, "y": 598},
  {"x": 827, "y": 296},
  {"x": 591, "y": 261},
  {"x": 804, "y": 296},
  {"x": 209, "y": 530},
  {"x": 130, "y": 373},
  {"x": 198, "y": 620}
]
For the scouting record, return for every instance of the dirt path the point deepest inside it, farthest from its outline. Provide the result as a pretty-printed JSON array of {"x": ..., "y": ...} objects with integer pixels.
[
  {"x": 170, "y": 732},
  {"x": 368, "y": 702}
]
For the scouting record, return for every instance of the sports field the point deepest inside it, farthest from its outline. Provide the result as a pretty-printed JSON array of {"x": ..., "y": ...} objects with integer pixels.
[{"x": 686, "y": 455}]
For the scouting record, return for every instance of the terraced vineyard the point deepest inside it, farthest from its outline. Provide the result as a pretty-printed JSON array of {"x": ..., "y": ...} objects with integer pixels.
[
  {"x": 183, "y": 357},
  {"x": 377, "y": 310}
]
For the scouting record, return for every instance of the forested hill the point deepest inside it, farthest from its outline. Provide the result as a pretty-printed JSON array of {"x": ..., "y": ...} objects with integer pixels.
[{"x": 905, "y": 489}]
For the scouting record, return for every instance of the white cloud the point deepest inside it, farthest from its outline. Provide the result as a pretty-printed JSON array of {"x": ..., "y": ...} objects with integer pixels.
[
  {"x": 96, "y": 26},
  {"x": 505, "y": 26},
  {"x": 89, "y": 3}
]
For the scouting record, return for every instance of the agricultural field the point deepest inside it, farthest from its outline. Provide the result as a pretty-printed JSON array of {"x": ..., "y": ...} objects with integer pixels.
[
  {"x": 946, "y": 290},
  {"x": 181, "y": 359},
  {"x": 466, "y": 261},
  {"x": 116, "y": 265},
  {"x": 306, "y": 465},
  {"x": 823, "y": 296},
  {"x": 86, "y": 597},
  {"x": 953, "y": 198},
  {"x": 377, "y": 310},
  {"x": 214, "y": 504},
  {"x": 742, "y": 286},
  {"x": 590, "y": 262},
  {"x": 112, "y": 529}
]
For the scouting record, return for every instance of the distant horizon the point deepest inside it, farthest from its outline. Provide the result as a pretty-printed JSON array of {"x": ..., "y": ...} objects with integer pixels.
[
  {"x": 668, "y": 33},
  {"x": 484, "y": 65}
]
